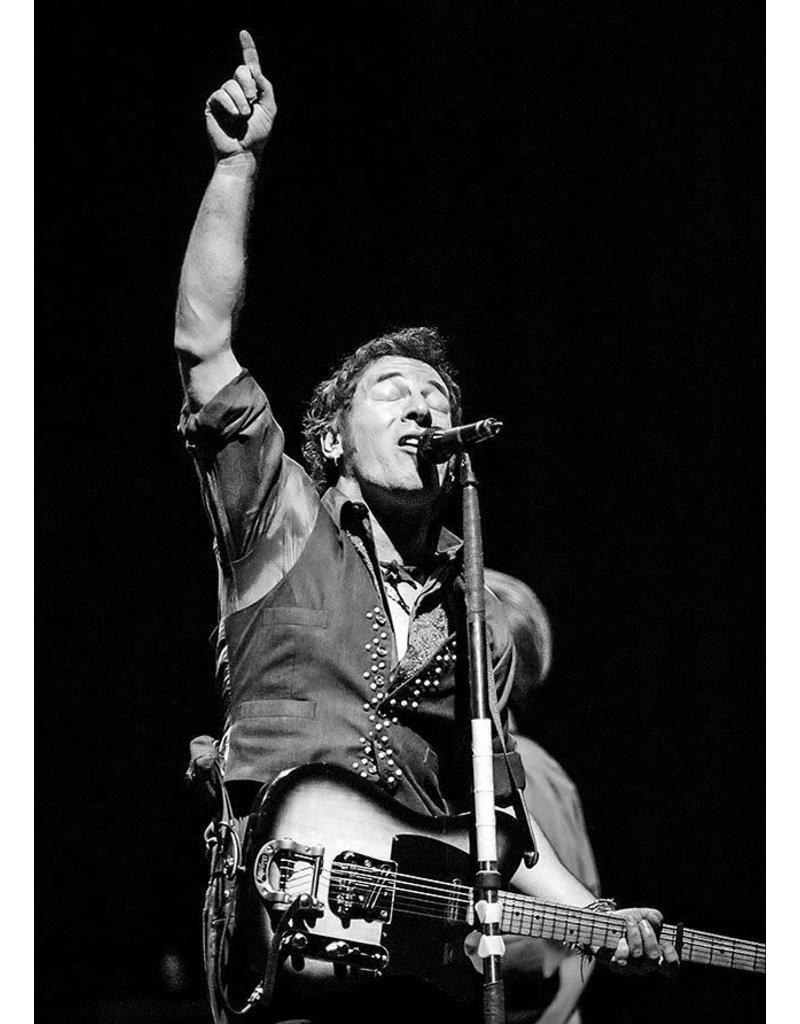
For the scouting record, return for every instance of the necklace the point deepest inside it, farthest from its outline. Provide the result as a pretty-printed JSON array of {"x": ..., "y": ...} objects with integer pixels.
[{"x": 393, "y": 574}]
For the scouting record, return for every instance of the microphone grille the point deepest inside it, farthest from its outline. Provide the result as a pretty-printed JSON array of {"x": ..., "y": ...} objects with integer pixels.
[{"x": 426, "y": 442}]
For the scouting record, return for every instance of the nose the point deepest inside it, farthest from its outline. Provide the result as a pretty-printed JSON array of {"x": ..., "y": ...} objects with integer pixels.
[{"x": 417, "y": 409}]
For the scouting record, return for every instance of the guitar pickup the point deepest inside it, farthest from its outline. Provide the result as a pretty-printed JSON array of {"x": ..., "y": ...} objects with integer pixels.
[
  {"x": 283, "y": 870},
  {"x": 362, "y": 888}
]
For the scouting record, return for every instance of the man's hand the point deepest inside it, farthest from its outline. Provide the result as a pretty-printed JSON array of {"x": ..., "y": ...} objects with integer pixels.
[
  {"x": 641, "y": 952},
  {"x": 239, "y": 115}
]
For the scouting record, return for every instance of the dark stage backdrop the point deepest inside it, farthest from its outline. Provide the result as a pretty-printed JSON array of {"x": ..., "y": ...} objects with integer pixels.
[{"x": 572, "y": 193}]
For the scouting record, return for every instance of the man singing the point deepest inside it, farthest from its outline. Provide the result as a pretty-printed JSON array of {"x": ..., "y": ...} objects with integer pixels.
[{"x": 340, "y": 602}]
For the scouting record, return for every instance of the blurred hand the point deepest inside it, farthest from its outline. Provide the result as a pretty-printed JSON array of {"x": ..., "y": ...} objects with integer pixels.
[{"x": 240, "y": 114}]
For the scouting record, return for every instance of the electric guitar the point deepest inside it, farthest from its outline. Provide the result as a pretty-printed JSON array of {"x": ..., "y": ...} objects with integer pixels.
[{"x": 351, "y": 885}]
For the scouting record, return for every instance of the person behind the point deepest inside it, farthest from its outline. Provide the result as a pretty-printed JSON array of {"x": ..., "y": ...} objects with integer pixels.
[
  {"x": 340, "y": 634},
  {"x": 536, "y": 966}
]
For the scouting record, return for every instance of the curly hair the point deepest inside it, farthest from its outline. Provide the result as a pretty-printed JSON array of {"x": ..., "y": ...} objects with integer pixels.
[{"x": 335, "y": 394}]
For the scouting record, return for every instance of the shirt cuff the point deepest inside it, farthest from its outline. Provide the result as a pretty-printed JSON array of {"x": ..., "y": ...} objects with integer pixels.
[{"x": 230, "y": 412}]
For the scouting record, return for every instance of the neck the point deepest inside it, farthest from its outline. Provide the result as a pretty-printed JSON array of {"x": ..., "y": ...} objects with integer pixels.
[{"x": 403, "y": 532}]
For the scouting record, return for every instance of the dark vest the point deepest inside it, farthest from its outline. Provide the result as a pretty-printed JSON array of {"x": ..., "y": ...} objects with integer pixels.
[{"x": 311, "y": 680}]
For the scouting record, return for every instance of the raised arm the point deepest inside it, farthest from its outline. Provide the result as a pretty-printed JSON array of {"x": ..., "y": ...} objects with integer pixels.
[{"x": 239, "y": 118}]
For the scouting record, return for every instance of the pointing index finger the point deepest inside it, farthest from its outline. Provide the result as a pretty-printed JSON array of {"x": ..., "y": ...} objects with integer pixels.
[{"x": 249, "y": 51}]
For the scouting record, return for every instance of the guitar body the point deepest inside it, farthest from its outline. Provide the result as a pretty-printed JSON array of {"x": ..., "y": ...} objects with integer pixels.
[
  {"x": 321, "y": 809},
  {"x": 342, "y": 892}
]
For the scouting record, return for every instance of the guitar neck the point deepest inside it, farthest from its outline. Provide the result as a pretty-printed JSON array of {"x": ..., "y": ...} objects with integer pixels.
[{"x": 523, "y": 915}]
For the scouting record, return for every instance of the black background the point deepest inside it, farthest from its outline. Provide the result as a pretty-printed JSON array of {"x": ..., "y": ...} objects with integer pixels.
[{"x": 572, "y": 193}]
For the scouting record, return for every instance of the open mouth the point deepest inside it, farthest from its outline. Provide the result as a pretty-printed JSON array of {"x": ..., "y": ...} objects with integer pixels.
[{"x": 409, "y": 443}]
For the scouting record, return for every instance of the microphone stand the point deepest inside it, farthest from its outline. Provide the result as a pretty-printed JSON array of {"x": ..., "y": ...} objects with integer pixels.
[{"x": 487, "y": 877}]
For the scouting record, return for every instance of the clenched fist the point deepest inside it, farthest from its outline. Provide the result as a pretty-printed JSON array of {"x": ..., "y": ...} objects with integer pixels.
[{"x": 239, "y": 115}]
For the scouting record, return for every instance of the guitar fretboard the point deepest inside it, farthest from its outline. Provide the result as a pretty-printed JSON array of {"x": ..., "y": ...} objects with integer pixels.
[{"x": 523, "y": 915}]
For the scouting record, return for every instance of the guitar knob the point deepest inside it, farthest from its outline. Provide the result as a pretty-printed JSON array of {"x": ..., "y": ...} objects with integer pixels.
[{"x": 298, "y": 944}]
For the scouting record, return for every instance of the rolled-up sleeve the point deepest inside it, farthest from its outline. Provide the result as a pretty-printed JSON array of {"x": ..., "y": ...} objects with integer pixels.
[{"x": 237, "y": 449}]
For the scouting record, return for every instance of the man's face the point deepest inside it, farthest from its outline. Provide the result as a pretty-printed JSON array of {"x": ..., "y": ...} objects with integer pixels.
[{"x": 395, "y": 400}]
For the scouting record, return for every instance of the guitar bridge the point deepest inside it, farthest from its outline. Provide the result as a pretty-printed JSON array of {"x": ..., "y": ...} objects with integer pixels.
[
  {"x": 284, "y": 870},
  {"x": 362, "y": 888}
]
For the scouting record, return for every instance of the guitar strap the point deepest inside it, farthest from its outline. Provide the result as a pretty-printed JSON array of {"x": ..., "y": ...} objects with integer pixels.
[
  {"x": 531, "y": 850},
  {"x": 224, "y": 849},
  {"x": 222, "y": 845}
]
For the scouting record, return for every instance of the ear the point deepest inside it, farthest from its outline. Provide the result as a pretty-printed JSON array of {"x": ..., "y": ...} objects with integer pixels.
[{"x": 331, "y": 444}]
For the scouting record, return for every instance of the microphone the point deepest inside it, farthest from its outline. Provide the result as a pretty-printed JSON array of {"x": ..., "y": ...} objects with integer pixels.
[{"x": 438, "y": 445}]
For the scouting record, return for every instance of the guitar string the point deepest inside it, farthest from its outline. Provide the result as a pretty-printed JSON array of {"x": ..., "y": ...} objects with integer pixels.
[
  {"x": 461, "y": 895},
  {"x": 452, "y": 890},
  {"x": 738, "y": 958},
  {"x": 559, "y": 914},
  {"x": 456, "y": 892},
  {"x": 588, "y": 920}
]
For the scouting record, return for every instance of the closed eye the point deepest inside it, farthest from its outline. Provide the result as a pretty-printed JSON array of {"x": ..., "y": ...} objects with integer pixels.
[
  {"x": 388, "y": 390},
  {"x": 392, "y": 387},
  {"x": 437, "y": 400}
]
